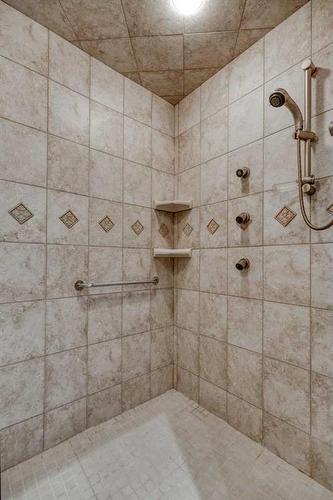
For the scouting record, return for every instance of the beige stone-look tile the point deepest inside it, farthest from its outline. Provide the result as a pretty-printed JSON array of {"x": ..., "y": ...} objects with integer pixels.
[
  {"x": 163, "y": 118},
  {"x": 322, "y": 153},
  {"x": 68, "y": 165},
  {"x": 214, "y": 93},
  {"x": 23, "y": 40},
  {"x": 213, "y": 270},
  {"x": 245, "y": 417},
  {"x": 217, "y": 48},
  {"x": 213, "y": 361},
  {"x": 321, "y": 273},
  {"x": 135, "y": 355},
  {"x": 189, "y": 148},
  {"x": 187, "y": 350},
  {"x": 105, "y": 179},
  {"x": 159, "y": 52},
  {"x": 131, "y": 215},
  {"x": 163, "y": 155},
  {"x": 21, "y": 442},
  {"x": 100, "y": 269},
  {"x": 214, "y": 183},
  {"x": 287, "y": 442},
  {"x": 135, "y": 391},
  {"x": 321, "y": 201},
  {"x": 213, "y": 398},
  {"x": 322, "y": 408},
  {"x": 104, "y": 365},
  {"x": 137, "y": 142},
  {"x": 162, "y": 306},
  {"x": 188, "y": 384},
  {"x": 213, "y": 225},
  {"x": 287, "y": 393},
  {"x": 99, "y": 232},
  {"x": 217, "y": 15},
  {"x": 247, "y": 71},
  {"x": 241, "y": 112},
  {"x": 107, "y": 86},
  {"x": 152, "y": 17},
  {"x": 322, "y": 463},
  {"x": 22, "y": 330},
  {"x": 23, "y": 154},
  {"x": 189, "y": 111},
  {"x": 323, "y": 90},
  {"x": 23, "y": 95},
  {"x": 245, "y": 323},
  {"x": 214, "y": 135},
  {"x": 167, "y": 83},
  {"x": 63, "y": 423},
  {"x": 185, "y": 236},
  {"x": 137, "y": 184},
  {"x": 104, "y": 317},
  {"x": 22, "y": 387},
  {"x": 280, "y": 163},
  {"x": 250, "y": 156},
  {"x": 213, "y": 315},
  {"x": 286, "y": 274},
  {"x": 22, "y": 270},
  {"x": 106, "y": 129},
  {"x": 187, "y": 271},
  {"x": 66, "y": 324},
  {"x": 138, "y": 102},
  {"x": 69, "y": 65},
  {"x": 68, "y": 114},
  {"x": 321, "y": 341},
  {"x": 287, "y": 333},
  {"x": 91, "y": 19},
  {"x": 161, "y": 380},
  {"x": 245, "y": 375},
  {"x": 322, "y": 15},
  {"x": 188, "y": 186},
  {"x": 268, "y": 13},
  {"x": 247, "y": 37},
  {"x": 193, "y": 78},
  {"x": 65, "y": 377},
  {"x": 187, "y": 309},
  {"x": 297, "y": 30},
  {"x": 249, "y": 234},
  {"x": 162, "y": 186},
  {"x": 136, "y": 312},
  {"x": 161, "y": 347},
  {"x": 114, "y": 52},
  {"x": 104, "y": 405},
  {"x": 137, "y": 266},
  {"x": 65, "y": 265},
  {"x": 33, "y": 199},
  {"x": 278, "y": 118},
  {"x": 58, "y": 204},
  {"x": 247, "y": 283},
  {"x": 162, "y": 229}
]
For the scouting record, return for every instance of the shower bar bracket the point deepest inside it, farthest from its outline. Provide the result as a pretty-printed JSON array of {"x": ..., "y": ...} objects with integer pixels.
[{"x": 81, "y": 285}]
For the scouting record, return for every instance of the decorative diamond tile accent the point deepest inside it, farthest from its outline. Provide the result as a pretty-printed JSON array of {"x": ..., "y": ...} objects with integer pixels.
[
  {"x": 285, "y": 216},
  {"x": 330, "y": 209},
  {"x": 187, "y": 230},
  {"x": 137, "y": 227},
  {"x": 21, "y": 213},
  {"x": 69, "y": 219},
  {"x": 212, "y": 226},
  {"x": 163, "y": 230},
  {"x": 106, "y": 224}
]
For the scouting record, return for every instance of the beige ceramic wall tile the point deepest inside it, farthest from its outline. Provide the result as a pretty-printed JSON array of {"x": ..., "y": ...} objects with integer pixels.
[
  {"x": 101, "y": 230},
  {"x": 245, "y": 126},
  {"x": 137, "y": 184},
  {"x": 245, "y": 375},
  {"x": 247, "y": 283},
  {"x": 214, "y": 184},
  {"x": 323, "y": 90},
  {"x": 115, "y": 52},
  {"x": 103, "y": 405},
  {"x": 138, "y": 102},
  {"x": 320, "y": 214},
  {"x": 187, "y": 350},
  {"x": 107, "y": 86},
  {"x": 214, "y": 135},
  {"x": 100, "y": 270},
  {"x": 136, "y": 266},
  {"x": 63, "y": 423},
  {"x": 163, "y": 116},
  {"x": 187, "y": 229},
  {"x": 136, "y": 235},
  {"x": 106, "y": 176},
  {"x": 251, "y": 157},
  {"x": 104, "y": 365},
  {"x": 322, "y": 14},
  {"x": 67, "y": 218},
  {"x": 188, "y": 186},
  {"x": 162, "y": 186},
  {"x": 187, "y": 307},
  {"x": 213, "y": 225},
  {"x": 213, "y": 270},
  {"x": 163, "y": 154},
  {"x": 321, "y": 341},
  {"x": 161, "y": 347},
  {"x": 249, "y": 234},
  {"x": 247, "y": 71},
  {"x": 106, "y": 129},
  {"x": 245, "y": 417},
  {"x": 187, "y": 383},
  {"x": 213, "y": 361},
  {"x": 323, "y": 151},
  {"x": 213, "y": 398},
  {"x": 322, "y": 463},
  {"x": 60, "y": 278},
  {"x": 213, "y": 315},
  {"x": 189, "y": 111},
  {"x": 321, "y": 273},
  {"x": 189, "y": 148},
  {"x": 280, "y": 161},
  {"x": 135, "y": 392},
  {"x": 136, "y": 312},
  {"x": 135, "y": 355},
  {"x": 161, "y": 380},
  {"x": 162, "y": 229},
  {"x": 137, "y": 142},
  {"x": 162, "y": 308},
  {"x": 104, "y": 318},
  {"x": 245, "y": 323},
  {"x": 214, "y": 93},
  {"x": 321, "y": 408}
]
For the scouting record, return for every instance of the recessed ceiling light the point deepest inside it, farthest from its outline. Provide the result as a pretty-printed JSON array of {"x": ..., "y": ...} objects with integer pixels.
[{"x": 187, "y": 7}]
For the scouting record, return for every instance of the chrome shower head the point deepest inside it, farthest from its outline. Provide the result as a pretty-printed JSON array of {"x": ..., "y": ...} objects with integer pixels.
[{"x": 280, "y": 97}]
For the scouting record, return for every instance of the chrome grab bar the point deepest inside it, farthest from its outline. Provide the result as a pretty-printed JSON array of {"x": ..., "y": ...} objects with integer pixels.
[{"x": 80, "y": 285}]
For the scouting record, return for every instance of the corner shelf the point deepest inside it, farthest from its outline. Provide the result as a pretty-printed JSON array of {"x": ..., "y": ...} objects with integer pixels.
[
  {"x": 172, "y": 206},
  {"x": 173, "y": 253}
]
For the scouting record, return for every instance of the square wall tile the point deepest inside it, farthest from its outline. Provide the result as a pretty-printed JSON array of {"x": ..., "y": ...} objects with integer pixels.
[
  {"x": 106, "y": 129},
  {"x": 163, "y": 152},
  {"x": 321, "y": 208},
  {"x": 106, "y": 176},
  {"x": 187, "y": 229},
  {"x": 162, "y": 347},
  {"x": 280, "y": 161},
  {"x": 137, "y": 266},
  {"x": 187, "y": 350},
  {"x": 135, "y": 355},
  {"x": 162, "y": 186},
  {"x": 135, "y": 392},
  {"x": 213, "y": 270},
  {"x": 321, "y": 341},
  {"x": 138, "y": 102},
  {"x": 189, "y": 111},
  {"x": 61, "y": 278},
  {"x": 68, "y": 114},
  {"x": 214, "y": 135},
  {"x": 245, "y": 375},
  {"x": 285, "y": 266},
  {"x": 287, "y": 393},
  {"x": 245, "y": 323},
  {"x": 104, "y": 317},
  {"x": 187, "y": 271},
  {"x": 22, "y": 267},
  {"x": 104, "y": 405},
  {"x": 322, "y": 15},
  {"x": 188, "y": 186},
  {"x": 245, "y": 417},
  {"x": 104, "y": 365},
  {"x": 321, "y": 276},
  {"x": 163, "y": 117},
  {"x": 322, "y": 463},
  {"x": 65, "y": 377},
  {"x": 188, "y": 384},
  {"x": 63, "y": 423},
  {"x": 279, "y": 321},
  {"x": 247, "y": 71},
  {"x": 137, "y": 142},
  {"x": 213, "y": 398},
  {"x": 105, "y": 223},
  {"x": 246, "y": 119},
  {"x": 104, "y": 79},
  {"x": 189, "y": 148},
  {"x": 214, "y": 184},
  {"x": 137, "y": 226},
  {"x": 213, "y": 225},
  {"x": 162, "y": 302},
  {"x": 321, "y": 408},
  {"x": 187, "y": 303},
  {"x": 247, "y": 283},
  {"x": 251, "y": 157},
  {"x": 249, "y": 234},
  {"x": 214, "y": 93},
  {"x": 161, "y": 380},
  {"x": 67, "y": 218},
  {"x": 22, "y": 389},
  {"x": 213, "y": 361},
  {"x": 323, "y": 90},
  {"x": 213, "y": 315},
  {"x": 162, "y": 229},
  {"x": 323, "y": 152},
  {"x": 137, "y": 184},
  {"x": 136, "y": 312},
  {"x": 105, "y": 265}
]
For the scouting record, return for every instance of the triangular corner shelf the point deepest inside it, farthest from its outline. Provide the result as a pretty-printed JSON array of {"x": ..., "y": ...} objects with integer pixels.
[
  {"x": 173, "y": 205},
  {"x": 173, "y": 253}
]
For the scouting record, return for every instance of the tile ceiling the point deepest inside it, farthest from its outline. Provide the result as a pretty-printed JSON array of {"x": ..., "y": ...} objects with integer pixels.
[{"x": 151, "y": 43}]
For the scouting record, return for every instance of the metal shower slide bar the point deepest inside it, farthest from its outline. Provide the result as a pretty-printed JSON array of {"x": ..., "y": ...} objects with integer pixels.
[{"x": 80, "y": 285}]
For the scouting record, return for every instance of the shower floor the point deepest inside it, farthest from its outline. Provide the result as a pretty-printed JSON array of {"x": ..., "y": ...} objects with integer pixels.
[{"x": 168, "y": 448}]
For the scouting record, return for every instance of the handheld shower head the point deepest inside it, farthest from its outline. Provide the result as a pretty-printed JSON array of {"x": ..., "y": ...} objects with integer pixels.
[{"x": 280, "y": 97}]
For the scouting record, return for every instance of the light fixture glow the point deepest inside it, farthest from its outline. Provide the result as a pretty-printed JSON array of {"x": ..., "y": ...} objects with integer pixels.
[{"x": 187, "y": 7}]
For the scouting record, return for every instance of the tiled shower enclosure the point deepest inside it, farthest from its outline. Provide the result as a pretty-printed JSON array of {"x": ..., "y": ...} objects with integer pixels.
[{"x": 84, "y": 152}]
